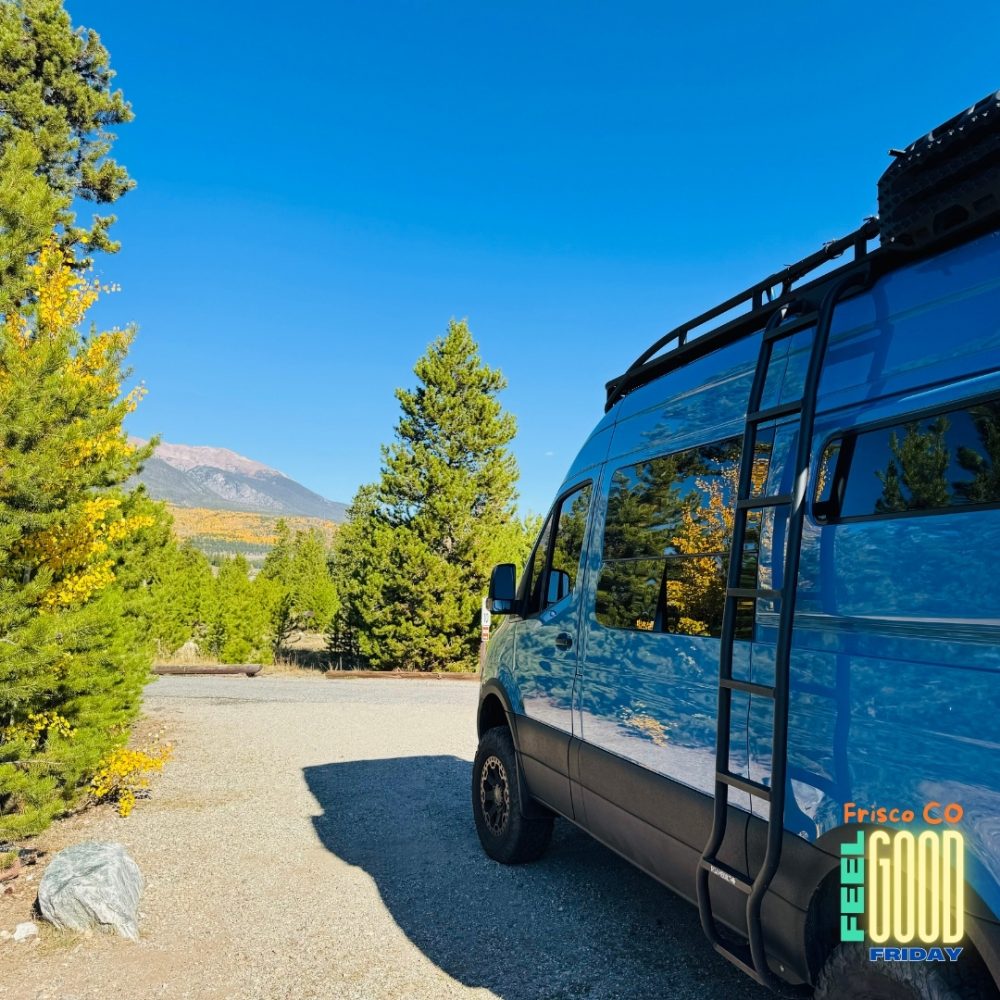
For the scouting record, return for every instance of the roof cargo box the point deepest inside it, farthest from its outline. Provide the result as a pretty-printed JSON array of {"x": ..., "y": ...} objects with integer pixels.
[{"x": 946, "y": 181}]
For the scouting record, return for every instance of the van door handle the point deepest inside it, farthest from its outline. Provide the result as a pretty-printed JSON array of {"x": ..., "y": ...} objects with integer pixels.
[{"x": 564, "y": 640}]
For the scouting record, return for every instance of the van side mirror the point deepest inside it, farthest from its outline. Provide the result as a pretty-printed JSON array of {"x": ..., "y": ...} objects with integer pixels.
[{"x": 502, "y": 598}]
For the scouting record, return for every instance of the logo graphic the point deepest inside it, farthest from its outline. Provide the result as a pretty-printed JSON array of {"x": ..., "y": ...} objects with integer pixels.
[{"x": 904, "y": 892}]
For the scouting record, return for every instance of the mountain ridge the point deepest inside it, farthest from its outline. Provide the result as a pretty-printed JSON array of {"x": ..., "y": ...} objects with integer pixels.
[{"x": 219, "y": 479}]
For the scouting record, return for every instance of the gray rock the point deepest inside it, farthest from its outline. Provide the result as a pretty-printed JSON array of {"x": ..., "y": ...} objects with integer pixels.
[
  {"x": 92, "y": 884},
  {"x": 26, "y": 930},
  {"x": 188, "y": 653}
]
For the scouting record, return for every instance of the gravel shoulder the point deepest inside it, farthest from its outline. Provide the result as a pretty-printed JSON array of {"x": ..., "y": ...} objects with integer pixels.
[{"x": 313, "y": 839}]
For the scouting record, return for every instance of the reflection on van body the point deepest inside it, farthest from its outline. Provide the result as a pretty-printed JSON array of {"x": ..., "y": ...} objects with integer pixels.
[{"x": 895, "y": 663}]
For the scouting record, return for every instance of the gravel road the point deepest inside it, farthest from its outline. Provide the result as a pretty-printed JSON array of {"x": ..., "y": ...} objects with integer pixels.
[{"x": 313, "y": 838}]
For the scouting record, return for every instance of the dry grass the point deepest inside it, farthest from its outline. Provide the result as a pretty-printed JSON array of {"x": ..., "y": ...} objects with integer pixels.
[
  {"x": 304, "y": 656},
  {"x": 284, "y": 667},
  {"x": 178, "y": 659}
]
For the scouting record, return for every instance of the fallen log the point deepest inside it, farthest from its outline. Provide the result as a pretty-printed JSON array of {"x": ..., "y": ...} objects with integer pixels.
[
  {"x": 404, "y": 675},
  {"x": 250, "y": 669}
]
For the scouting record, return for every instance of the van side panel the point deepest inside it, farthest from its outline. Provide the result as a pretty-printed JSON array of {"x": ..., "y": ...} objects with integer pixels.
[
  {"x": 651, "y": 698},
  {"x": 645, "y": 703},
  {"x": 930, "y": 324},
  {"x": 895, "y": 674},
  {"x": 629, "y": 808}
]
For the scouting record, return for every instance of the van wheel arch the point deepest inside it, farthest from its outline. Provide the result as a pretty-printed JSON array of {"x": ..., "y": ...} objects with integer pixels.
[
  {"x": 821, "y": 924},
  {"x": 492, "y": 713},
  {"x": 969, "y": 978}
]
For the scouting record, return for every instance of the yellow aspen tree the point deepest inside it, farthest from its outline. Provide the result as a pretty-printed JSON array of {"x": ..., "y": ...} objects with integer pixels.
[
  {"x": 704, "y": 536},
  {"x": 72, "y": 654}
]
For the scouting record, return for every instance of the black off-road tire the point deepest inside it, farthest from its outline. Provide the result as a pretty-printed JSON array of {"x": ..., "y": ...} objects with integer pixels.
[
  {"x": 849, "y": 975},
  {"x": 506, "y": 835}
]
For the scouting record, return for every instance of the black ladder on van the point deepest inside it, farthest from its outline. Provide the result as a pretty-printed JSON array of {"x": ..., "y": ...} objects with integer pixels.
[{"x": 795, "y": 317}]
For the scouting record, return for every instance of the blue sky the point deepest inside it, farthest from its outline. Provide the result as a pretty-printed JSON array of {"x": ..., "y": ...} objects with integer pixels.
[{"x": 323, "y": 185}]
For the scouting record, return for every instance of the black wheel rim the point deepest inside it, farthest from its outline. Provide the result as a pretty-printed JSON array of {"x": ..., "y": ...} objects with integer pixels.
[{"x": 494, "y": 795}]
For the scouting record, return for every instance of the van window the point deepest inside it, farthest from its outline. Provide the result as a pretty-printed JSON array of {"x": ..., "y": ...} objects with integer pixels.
[
  {"x": 568, "y": 545},
  {"x": 937, "y": 462},
  {"x": 570, "y": 520},
  {"x": 666, "y": 539},
  {"x": 536, "y": 568}
]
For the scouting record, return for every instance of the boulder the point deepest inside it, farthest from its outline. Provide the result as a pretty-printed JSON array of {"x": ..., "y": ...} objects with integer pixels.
[
  {"x": 92, "y": 885},
  {"x": 188, "y": 653}
]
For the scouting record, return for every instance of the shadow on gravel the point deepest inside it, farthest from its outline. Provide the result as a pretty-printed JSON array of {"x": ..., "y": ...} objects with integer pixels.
[{"x": 579, "y": 923}]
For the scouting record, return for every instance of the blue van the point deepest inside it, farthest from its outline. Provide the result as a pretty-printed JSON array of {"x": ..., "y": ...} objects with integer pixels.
[{"x": 764, "y": 610}]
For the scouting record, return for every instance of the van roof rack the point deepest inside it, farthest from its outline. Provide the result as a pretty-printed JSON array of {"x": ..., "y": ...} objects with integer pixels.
[{"x": 763, "y": 299}]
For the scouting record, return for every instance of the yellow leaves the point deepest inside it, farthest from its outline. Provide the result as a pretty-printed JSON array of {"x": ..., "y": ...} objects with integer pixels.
[
  {"x": 134, "y": 397},
  {"x": 79, "y": 587},
  {"x": 91, "y": 365},
  {"x": 122, "y": 529},
  {"x": 51, "y": 722},
  {"x": 122, "y": 776},
  {"x": 63, "y": 295},
  {"x": 691, "y": 626},
  {"x": 36, "y": 728},
  {"x": 651, "y": 728},
  {"x": 95, "y": 361},
  {"x": 74, "y": 542},
  {"x": 706, "y": 528},
  {"x": 17, "y": 331},
  {"x": 77, "y": 426},
  {"x": 42, "y": 351},
  {"x": 236, "y": 526},
  {"x": 758, "y": 473},
  {"x": 100, "y": 448},
  {"x": 75, "y": 550}
]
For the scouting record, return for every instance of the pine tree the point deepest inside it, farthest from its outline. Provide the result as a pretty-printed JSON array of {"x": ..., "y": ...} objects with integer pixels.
[
  {"x": 362, "y": 569},
  {"x": 916, "y": 475},
  {"x": 241, "y": 614},
  {"x": 179, "y": 601},
  {"x": 368, "y": 563},
  {"x": 982, "y": 463},
  {"x": 73, "y": 656},
  {"x": 415, "y": 558},
  {"x": 306, "y": 598},
  {"x": 55, "y": 117}
]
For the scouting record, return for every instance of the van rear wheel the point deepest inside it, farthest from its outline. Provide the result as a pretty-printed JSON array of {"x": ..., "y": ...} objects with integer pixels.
[
  {"x": 507, "y": 836},
  {"x": 849, "y": 975}
]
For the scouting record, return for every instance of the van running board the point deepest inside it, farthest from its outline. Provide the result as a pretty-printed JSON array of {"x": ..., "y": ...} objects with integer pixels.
[{"x": 751, "y": 957}]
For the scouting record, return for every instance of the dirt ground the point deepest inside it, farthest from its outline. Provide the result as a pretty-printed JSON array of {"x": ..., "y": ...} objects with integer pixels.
[{"x": 313, "y": 838}]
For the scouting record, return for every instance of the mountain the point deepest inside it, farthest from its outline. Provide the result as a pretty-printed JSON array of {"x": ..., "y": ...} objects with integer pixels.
[{"x": 219, "y": 479}]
